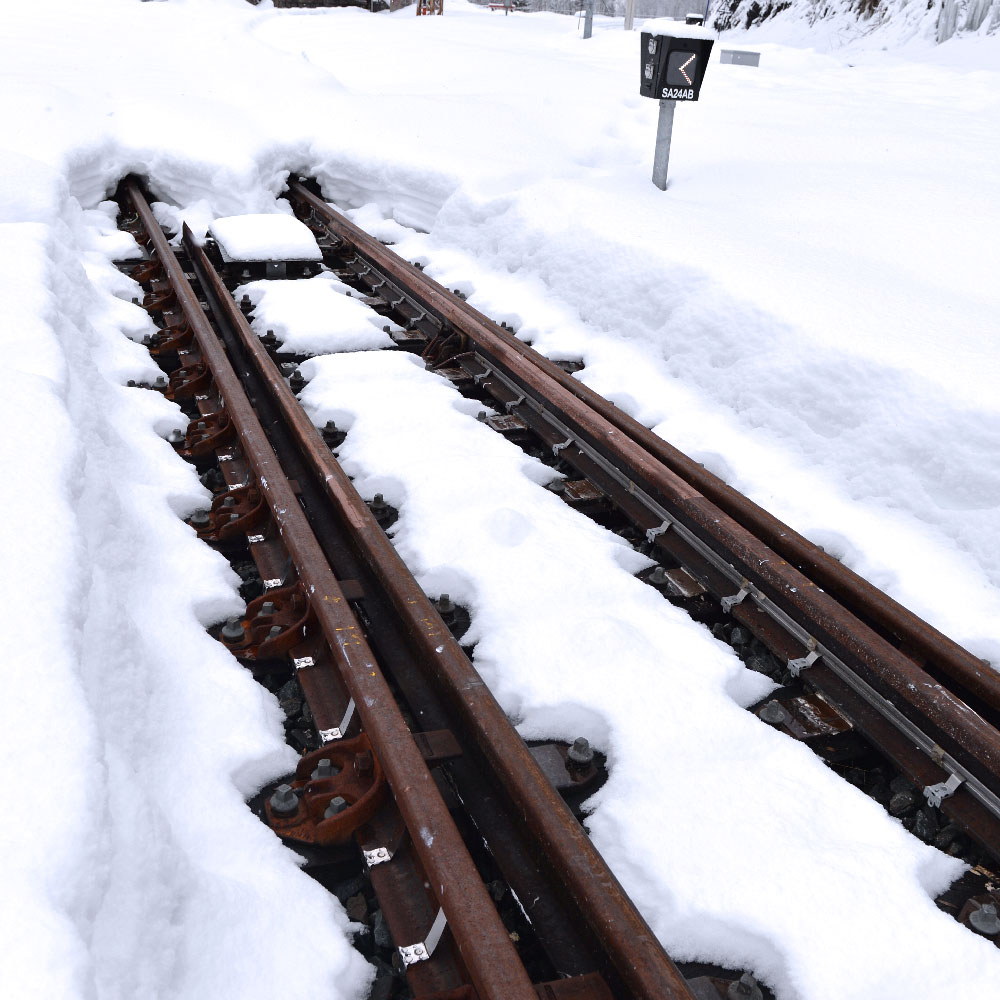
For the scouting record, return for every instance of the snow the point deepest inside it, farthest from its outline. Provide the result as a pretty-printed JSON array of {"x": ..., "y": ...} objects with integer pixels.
[
  {"x": 314, "y": 315},
  {"x": 264, "y": 237},
  {"x": 810, "y": 309}
]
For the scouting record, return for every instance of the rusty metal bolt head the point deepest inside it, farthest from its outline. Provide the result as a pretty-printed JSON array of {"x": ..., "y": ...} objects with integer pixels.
[
  {"x": 267, "y": 608},
  {"x": 274, "y": 631},
  {"x": 297, "y": 382},
  {"x": 324, "y": 769},
  {"x": 985, "y": 920},
  {"x": 228, "y": 502},
  {"x": 233, "y": 631},
  {"x": 284, "y": 801},
  {"x": 773, "y": 713},
  {"x": 337, "y": 805},
  {"x": 246, "y": 305},
  {"x": 580, "y": 753}
]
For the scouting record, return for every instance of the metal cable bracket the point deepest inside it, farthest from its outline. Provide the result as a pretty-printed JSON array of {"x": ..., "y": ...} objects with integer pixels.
[
  {"x": 337, "y": 733},
  {"x": 653, "y": 533},
  {"x": 936, "y": 794},
  {"x": 795, "y": 667},
  {"x": 377, "y": 856},
  {"x": 556, "y": 448},
  {"x": 728, "y": 603},
  {"x": 510, "y": 404},
  {"x": 420, "y": 952}
]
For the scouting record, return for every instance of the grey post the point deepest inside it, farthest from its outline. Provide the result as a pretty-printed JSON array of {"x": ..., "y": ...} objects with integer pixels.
[
  {"x": 588, "y": 22},
  {"x": 629, "y": 14},
  {"x": 661, "y": 155}
]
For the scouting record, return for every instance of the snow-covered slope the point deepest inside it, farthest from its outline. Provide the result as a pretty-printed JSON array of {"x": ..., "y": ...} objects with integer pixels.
[{"x": 888, "y": 20}]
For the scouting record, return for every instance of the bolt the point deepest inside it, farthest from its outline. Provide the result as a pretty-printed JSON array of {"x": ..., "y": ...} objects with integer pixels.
[
  {"x": 658, "y": 577},
  {"x": 297, "y": 382},
  {"x": 364, "y": 764},
  {"x": 147, "y": 338},
  {"x": 201, "y": 425},
  {"x": 482, "y": 416},
  {"x": 324, "y": 769},
  {"x": 135, "y": 301},
  {"x": 232, "y": 631},
  {"x": 233, "y": 517},
  {"x": 267, "y": 608},
  {"x": 228, "y": 502},
  {"x": 245, "y": 304},
  {"x": 161, "y": 382},
  {"x": 175, "y": 437},
  {"x": 580, "y": 753},
  {"x": 985, "y": 919},
  {"x": 199, "y": 519},
  {"x": 274, "y": 631},
  {"x": 773, "y": 712},
  {"x": 337, "y": 805},
  {"x": 130, "y": 383},
  {"x": 284, "y": 801}
]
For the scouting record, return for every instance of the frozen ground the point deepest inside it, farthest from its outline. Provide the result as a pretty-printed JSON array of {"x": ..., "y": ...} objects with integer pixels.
[{"x": 810, "y": 310}]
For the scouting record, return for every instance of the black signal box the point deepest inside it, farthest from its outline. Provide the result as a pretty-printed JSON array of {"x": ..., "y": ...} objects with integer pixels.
[{"x": 672, "y": 68}]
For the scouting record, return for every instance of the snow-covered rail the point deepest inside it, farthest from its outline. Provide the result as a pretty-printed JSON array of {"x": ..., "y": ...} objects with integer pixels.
[
  {"x": 338, "y": 610},
  {"x": 924, "y": 702}
]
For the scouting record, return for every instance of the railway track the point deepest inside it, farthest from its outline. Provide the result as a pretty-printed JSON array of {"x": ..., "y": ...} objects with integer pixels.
[{"x": 396, "y": 728}]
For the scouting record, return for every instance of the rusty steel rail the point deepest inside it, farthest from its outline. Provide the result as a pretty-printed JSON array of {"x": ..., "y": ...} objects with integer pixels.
[
  {"x": 637, "y": 956},
  {"x": 922, "y": 641},
  {"x": 486, "y": 948},
  {"x": 946, "y": 729}
]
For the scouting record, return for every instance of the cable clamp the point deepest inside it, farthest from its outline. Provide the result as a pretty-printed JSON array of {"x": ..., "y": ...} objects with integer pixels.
[
  {"x": 653, "y": 533},
  {"x": 795, "y": 667},
  {"x": 420, "y": 952},
  {"x": 337, "y": 733},
  {"x": 936, "y": 794},
  {"x": 556, "y": 448},
  {"x": 728, "y": 603}
]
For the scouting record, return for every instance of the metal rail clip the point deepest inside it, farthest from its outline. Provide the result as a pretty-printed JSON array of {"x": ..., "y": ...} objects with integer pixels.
[
  {"x": 420, "y": 952},
  {"x": 936, "y": 794},
  {"x": 329, "y": 735},
  {"x": 728, "y": 603}
]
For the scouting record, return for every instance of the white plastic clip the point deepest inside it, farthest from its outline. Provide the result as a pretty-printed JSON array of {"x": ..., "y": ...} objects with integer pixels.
[
  {"x": 936, "y": 794},
  {"x": 329, "y": 735},
  {"x": 653, "y": 533},
  {"x": 728, "y": 603},
  {"x": 556, "y": 448},
  {"x": 795, "y": 667},
  {"x": 420, "y": 952}
]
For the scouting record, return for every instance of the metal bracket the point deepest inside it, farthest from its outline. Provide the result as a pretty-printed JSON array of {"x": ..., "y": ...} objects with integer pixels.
[
  {"x": 377, "y": 856},
  {"x": 481, "y": 377},
  {"x": 337, "y": 733},
  {"x": 936, "y": 794},
  {"x": 556, "y": 448},
  {"x": 795, "y": 667},
  {"x": 653, "y": 533},
  {"x": 420, "y": 952},
  {"x": 303, "y": 661},
  {"x": 728, "y": 603},
  {"x": 510, "y": 404}
]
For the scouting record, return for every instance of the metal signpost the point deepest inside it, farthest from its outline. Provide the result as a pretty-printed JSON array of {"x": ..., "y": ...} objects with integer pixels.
[{"x": 673, "y": 67}]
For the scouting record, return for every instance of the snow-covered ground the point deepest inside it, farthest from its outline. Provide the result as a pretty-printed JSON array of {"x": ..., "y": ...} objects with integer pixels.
[{"x": 811, "y": 309}]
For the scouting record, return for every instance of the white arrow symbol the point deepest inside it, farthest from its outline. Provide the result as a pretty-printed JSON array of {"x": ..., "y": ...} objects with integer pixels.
[{"x": 684, "y": 65}]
